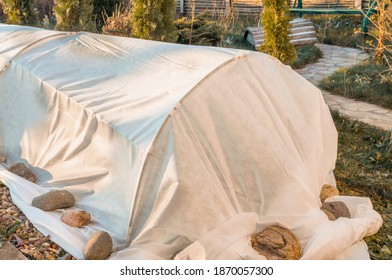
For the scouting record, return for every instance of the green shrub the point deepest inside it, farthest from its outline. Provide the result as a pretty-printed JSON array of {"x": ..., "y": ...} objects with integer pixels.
[
  {"x": 20, "y": 12},
  {"x": 367, "y": 82},
  {"x": 306, "y": 54},
  {"x": 202, "y": 30},
  {"x": 2, "y": 16},
  {"x": 339, "y": 30},
  {"x": 154, "y": 20},
  {"x": 74, "y": 15},
  {"x": 275, "y": 21}
]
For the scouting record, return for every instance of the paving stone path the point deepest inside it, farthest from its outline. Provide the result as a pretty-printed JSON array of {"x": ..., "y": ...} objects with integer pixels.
[{"x": 335, "y": 57}]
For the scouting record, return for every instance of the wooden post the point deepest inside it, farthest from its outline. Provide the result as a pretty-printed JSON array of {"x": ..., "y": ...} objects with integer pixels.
[
  {"x": 358, "y": 4},
  {"x": 228, "y": 8}
]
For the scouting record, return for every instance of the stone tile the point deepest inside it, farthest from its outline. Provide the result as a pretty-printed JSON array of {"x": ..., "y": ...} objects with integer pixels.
[
  {"x": 366, "y": 107},
  {"x": 336, "y": 57}
]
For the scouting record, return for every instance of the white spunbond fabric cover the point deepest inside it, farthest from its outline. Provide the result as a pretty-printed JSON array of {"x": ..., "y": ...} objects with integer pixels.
[{"x": 176, "y": 151}]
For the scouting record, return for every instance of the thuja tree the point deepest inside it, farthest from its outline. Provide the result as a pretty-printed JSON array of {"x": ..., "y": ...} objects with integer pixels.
[
  {"x": 74, "y": 15},
  {"x": 20, "y": 12},
  {"x": 275, "y": 20},
  {"x": 154, "y": 19},
  {"x": 104, "y": 8}
]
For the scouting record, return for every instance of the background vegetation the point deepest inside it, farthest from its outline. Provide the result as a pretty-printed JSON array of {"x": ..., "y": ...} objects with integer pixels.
[
  {"x": 154, "y": 20},
  {"x": 275, "y": 19},
  {"x": 74, "y": 15},
  {"x": 20, "y": 12}
]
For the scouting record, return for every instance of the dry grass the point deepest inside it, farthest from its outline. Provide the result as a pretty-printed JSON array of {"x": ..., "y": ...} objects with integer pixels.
[
  {"x": 367, "y": 82},
  {"x": 339, "y": 30},
  {"x": 364, "y": 168},
  {"x": 306, "y": 54},
  {"x": 119, "y": 23}
]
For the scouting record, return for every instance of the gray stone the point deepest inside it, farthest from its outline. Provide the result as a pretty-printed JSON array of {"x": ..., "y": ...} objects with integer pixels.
[
  {"x": 277, "y": 243},
  {"x": 3, "y": 157},
  {"x": 98, "y": 247},
  {"x": 336, "y": 208},
  {"x": 76, "y": 218},
  {"x": 54, "y": 200},
  {"x": 21, "y": 170}
]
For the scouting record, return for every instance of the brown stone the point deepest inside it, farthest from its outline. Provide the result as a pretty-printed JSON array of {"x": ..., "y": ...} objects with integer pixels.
[
  {"x": 3, "y": 157},
  {"x": 277, "y": 243},
  {"x": 21, "y": 170},
  {"x": 336, "y": 208},
  {"x": 330, "y": 216},
  {"x": 76, "y": 218},
  {"x": 98, "y": 247},
  {"x": 54, "y": 200},
  {"x": 328, "y": 191},
  {"x": 9, "y": 252}
]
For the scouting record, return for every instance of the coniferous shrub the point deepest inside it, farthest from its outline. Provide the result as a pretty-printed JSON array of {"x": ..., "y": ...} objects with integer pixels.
[
  {"x": 154, "y": 20},
  {"x": 22, "y": 12},
  {"x": 2, "y": 16},
  {"x": 74, "y": 15},
  {"x": 275, "y": 21},
  {"x": 202, "y": 30}
]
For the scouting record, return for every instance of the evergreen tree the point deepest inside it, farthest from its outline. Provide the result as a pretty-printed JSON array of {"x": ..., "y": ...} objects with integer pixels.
[
  {"x": 74, "y": 15},
  {"x": 275, "y": 20},
  {"x": 2, "y": 16},
  {"x": 154, "y": 19},
  {"x": 102, "y": 8},
  {"x": 20, "y": 12}
]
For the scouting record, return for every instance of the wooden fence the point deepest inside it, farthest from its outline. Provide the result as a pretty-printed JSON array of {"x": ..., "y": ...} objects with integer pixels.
[{"x": 253, "y": 7}]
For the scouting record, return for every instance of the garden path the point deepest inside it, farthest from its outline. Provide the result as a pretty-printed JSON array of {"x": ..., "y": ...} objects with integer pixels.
[{"x": 335, "y": 57}]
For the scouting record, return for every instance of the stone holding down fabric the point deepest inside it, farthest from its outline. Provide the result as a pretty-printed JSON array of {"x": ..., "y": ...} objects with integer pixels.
[{"x": 176, "y": 151}]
